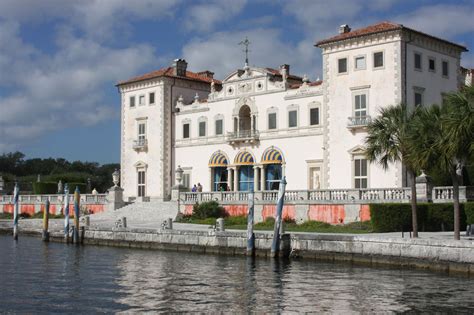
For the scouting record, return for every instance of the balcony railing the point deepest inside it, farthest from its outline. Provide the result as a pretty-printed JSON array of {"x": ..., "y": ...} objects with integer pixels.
[
  {"x": 358, "y": 122},
  {"x": 243, "y": 136},
  {"x": 140, "y": 144}
]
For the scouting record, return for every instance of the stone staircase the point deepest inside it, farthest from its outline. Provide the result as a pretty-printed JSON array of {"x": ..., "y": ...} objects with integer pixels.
[{"x": 139, "y": 214}]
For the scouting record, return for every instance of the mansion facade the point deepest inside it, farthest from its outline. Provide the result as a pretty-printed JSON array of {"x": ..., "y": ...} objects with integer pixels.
[{"x": 260, "y": 124}]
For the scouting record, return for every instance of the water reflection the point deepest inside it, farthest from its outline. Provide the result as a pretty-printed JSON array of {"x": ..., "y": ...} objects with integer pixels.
[{"x": 40, "y": 278}]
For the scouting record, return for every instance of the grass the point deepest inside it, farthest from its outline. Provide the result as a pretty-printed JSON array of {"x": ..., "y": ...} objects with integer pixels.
[
  {"x": 240, "y": 223},
  {"x": 38, "y": 215}
]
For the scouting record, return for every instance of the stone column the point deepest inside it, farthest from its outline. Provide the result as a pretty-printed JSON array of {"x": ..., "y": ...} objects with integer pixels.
[
  {"x": 114, "y": 198},
  {"x": 229, "y": 178},
  {"x": 211, "y": 186},
  {"x": 255, "y": 178},
  {"x": 283, "y": 170},
  {"x": 424, "y": 188},
  {"x": 236, "y": 178},
  {"x": 262, "y": 178}
]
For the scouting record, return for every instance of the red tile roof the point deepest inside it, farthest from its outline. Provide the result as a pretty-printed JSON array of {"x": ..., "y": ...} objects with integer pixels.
[
  {"x": 277, "y": 72},
  {"x": 379, "y": 28},
  {"x": 315, "y": 83},
  {"x": 168, "y": 72}
]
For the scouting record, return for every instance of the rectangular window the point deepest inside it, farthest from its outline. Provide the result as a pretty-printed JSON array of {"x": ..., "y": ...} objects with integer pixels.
[
  {"x": 418, "y": 99},
  {"x": 141, "y": 132},
  {"x": 314, "y": 116},
  {"x": 360, "y": 106},
  {"x": 378, "y": 59},
  {"x": 219, "y": 127},
  {"x": 187, "y": 180},
  {"x": 272, "y": 121},
  {"x": 202, "y": 129},
  {"x": 132, "y": 101},
  {"x": 185, "y": 131},
  {"x": 342, "y": 65},
  {"x": 432, "y": 64},
  {"x": 292, "y": 118},
  {"x": 360, "y": 63},
  {"x": 417, "y": 61},
  {"x": 152, "y": 98},
  {"x": 141, "y": 100},
  {"x": 445, "y": 69},
  {"x": 360, "y": 173},
  {"x": 141, "y": 183}
]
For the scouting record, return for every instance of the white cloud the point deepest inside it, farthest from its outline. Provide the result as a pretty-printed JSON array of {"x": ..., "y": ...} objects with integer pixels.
[
  {"x": 62, "y": 90},
  {"x": 222, "y": 54},
  {"x": 204, "y": 16},
  {"x": 441, "y": 20}
]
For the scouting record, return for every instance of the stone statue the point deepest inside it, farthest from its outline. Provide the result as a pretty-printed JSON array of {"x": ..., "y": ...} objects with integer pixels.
[
  {"x": 60, "y": 187},
  {"x": 213, "y": 86}
]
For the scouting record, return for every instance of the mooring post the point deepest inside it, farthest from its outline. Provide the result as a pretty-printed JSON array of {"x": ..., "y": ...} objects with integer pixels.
[
  {"x": 16, "y": 193},
  {"x": 278, "y": 219},
  {"x": 250, "y": 219},
  {"x": 46, "y": 222},
  {"x": 66, "y": 213},
  {"x": 77, "y": 197}
]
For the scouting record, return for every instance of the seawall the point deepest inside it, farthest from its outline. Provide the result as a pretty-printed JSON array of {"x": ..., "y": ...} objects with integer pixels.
[{"x": 431, "y": 254}]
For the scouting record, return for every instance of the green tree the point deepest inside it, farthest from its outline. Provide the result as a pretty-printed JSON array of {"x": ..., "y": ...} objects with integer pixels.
[{"x": 388, "y": 142}]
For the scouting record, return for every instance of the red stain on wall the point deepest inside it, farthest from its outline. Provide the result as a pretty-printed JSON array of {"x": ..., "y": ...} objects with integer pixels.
[
  {"x": 289, "y": 212},
  {"x": 332, "y": 214},
  {"x": 188, "y": 209},
  {"x": 236, "y": 210},
  {"x": 95, "y": 208},
  {"x": 30, "y": 209},
  {"x": 8, "y": 208},
  {"x": 364, "y": 213}
]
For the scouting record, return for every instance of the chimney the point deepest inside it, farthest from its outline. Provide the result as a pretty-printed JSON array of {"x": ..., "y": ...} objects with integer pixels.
[
  {"x": 207, "y": 74},
  {"x": 179, "y": 67},
  {"x": 285, "y": 70},
  {"x": 344, "y": 28}
]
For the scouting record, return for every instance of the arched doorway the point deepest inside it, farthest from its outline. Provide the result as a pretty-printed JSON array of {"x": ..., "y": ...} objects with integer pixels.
[
  {"x": 245, "y": 121},
  {"x": 272, "y": 159},
  {"x": 218, "y": 164}
]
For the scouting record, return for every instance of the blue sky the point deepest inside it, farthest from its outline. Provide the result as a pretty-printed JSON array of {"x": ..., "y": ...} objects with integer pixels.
[{"x": 60, "y": 60}]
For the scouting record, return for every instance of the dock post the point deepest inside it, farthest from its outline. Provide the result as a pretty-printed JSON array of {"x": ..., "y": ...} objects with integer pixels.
[
  {"x": 46, "y": 222},
  {"x": 66, "y": 213},
  {"x": 250, "y": 220},
  {"x": 16, "y": 193},
  {"x": 276, "y": 230},
  {"x": 77, "y": 198}
]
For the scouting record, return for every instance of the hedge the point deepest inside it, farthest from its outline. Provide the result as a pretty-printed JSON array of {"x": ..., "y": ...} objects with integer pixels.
[
  {"x": 469, "y": 210},
  {"x": 391, "y": 217},
  {"x": 43, "y": 188}
]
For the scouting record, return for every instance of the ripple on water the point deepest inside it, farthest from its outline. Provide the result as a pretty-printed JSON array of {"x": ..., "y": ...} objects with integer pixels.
[{"x": 55, "y": 278}]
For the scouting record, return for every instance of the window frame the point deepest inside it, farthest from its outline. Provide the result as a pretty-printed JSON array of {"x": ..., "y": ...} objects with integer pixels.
[
  {"x": 418, "y": 90},
  {"x": 130, "y": 98},
  {"x": 354, "y": 96},
  {"x": 139, "y": 184},
  {"x": 355, "y": 62},
  {"x": 276, "y": 120},
  {"x": 140, "y": 98},
  {"x": 290, "y": 110},
  {"x": 383, "y": 60},
  {"x": 222, "y": 126},
  {"x": 415, "y": 54},
  {"x": 443, "y": 62},
  {"x": 360, "y": 177},
  {"x": 201, "y": 120},
  {"x": 434, "y": 62},
  {"x": 186, "y": 122},
  {"x": 311, "y": 107},
  {"x": 149, "y": 98},
  {"x": 140, "y": 135},
  {"x": 347, "y": 65}
]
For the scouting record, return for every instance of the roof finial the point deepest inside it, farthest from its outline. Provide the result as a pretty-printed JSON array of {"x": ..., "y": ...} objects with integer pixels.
[{"x": 246, "y": 43}]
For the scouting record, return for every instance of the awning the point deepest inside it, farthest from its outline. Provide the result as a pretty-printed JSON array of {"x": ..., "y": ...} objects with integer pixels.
[
  {"x": 243, "y": 158},
  {"x": 218, "y": 159},
  {"x": 272, "y": 156}
]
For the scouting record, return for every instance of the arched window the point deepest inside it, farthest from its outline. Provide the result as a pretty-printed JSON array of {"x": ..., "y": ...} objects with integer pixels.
[
  {"x": 245, "y": 161},
  {"x": 272, "y": 159},
  {"x": 218, "y": 164}
]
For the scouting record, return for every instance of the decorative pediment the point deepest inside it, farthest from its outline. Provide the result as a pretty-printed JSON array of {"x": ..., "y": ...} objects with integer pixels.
[
  {"x": 249, "y": 101},
  {"x": 140, "y": 164},
  {"x": 357, "y": 150}
]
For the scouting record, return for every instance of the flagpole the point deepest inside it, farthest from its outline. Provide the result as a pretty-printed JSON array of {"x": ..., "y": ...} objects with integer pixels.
[
  {"x": 276, "y": 231},
  {"x": 16, "y": 193},
  {"x": 250, "y": 221}
]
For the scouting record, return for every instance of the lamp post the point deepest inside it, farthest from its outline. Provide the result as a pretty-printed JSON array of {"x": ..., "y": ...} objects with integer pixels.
[{"x": 116, "y": 177}]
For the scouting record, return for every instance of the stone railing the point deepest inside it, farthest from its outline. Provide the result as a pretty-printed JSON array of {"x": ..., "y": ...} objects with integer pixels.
[
  {"x": 357, "y": 122},
  {"x": 243, "y": 135},
  {"x": 330, "y": 196},
  {"x": 54, "y": 199},
  {"x": 445, "y": 193}
]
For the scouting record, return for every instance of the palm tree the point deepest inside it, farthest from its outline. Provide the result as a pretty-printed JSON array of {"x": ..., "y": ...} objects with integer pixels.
[
  {"x": 388, "y": 142},
  {"x": 443, "y": 135}
]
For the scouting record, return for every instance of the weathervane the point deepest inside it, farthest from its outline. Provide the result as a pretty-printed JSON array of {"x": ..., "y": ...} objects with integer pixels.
[{"x": 246, "y": 43}]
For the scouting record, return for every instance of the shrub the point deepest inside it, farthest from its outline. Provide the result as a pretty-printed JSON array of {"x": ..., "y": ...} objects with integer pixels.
[
  {"x": 208, "y": 209},
  {"x": 238, "y": 220},
  {"x": 314, "y": 225},
  {"x": 43, "y": 188},
  {"x": 391, "y": 217},
  {"x": 469, "y": 210}
]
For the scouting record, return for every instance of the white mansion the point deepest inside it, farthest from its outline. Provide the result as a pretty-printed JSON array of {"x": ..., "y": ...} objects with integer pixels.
[{"x": 260, "y": 124}]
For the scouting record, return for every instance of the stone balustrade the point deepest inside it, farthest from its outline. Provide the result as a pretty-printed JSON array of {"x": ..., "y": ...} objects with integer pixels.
[
  {"x": 54, "y": 199},
  {"x": 329, "y": 196}
]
